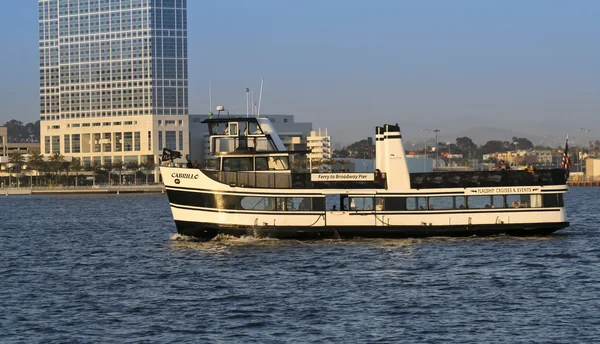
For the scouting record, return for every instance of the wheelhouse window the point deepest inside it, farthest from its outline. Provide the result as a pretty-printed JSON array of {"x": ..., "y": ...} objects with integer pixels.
[
  {"x": 254, "y": 129},
  {"x": 272, "y": 163},
  {"x": 237, "y": 164}
]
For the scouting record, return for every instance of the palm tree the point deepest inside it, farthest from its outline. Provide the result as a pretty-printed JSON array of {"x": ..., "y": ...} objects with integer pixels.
[
  {"x": 15, "y": 158},
  {"x": 95, "y": 167},
  {"x": 108, "y": 166},
  {"x": 56, "y": 161},
  {"x": 148, "y": 166},
  {"x": 133, "y": 166},
  {"x": 76, "y": 166},
  {"x": 118, "y": 165},
  {"x": 35, "y": 162}
]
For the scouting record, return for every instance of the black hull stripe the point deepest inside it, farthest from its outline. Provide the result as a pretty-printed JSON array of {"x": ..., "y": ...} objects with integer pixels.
[
  {"x": 423, "y": 212},
  {"x": 207, "y": 231}
]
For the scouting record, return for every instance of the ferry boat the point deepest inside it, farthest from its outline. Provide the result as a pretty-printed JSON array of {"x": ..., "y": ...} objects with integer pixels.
[{"x": 248, "y": 188}]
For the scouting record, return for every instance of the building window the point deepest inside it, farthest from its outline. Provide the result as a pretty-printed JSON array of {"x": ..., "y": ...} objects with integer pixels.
[
  {"x": 47, "y": 144},
  {"x": 56, "y": 144},
  {"x": 86, "y": 124},
  {"x": 67, "y": 143},
  {"x": 107, "y": 147},
  {"x": 160, "y": 140},
  {"x": 136, "y": 141},
  {"x": 76, "y": 143},
  {"x": 181, "y": 140},
  {"x": 149, "y": 140},
  {"x": 171, "y": 139},
  {"x": 118, "y": 142},
  {"x": 127, "y": 142}
]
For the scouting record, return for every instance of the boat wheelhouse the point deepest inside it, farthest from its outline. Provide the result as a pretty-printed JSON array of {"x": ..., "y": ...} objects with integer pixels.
[{"x": 250, "y": 187}]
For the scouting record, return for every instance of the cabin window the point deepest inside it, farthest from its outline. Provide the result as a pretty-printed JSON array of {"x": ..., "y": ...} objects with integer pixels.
[
  {"x": 257, "y": 203},
  {"x": 552, "y": 200},
  {"x": 479, "y": 202},
  {"x": 293, "y": 203},
  {"x": 379, "y": 203},
  {"x": 497, "y": 201},
  {"x": 416, "y": 203},
  {"x": 524, "y": 201},
  {"x": 358, "y": 203},
  {"x": 237, "y": 164},
  {"x": 440, "y": 203}
]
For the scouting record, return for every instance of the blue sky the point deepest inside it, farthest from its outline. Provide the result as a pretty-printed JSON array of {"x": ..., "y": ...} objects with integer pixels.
[{"x": 532, "y": 66}]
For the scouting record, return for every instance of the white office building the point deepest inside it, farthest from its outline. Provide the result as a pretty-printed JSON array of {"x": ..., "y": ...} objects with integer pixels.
[{"x": 113, "y": 79}]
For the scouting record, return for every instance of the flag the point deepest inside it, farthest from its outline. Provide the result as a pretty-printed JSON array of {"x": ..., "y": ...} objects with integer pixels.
[
  {"x": 566, "y": 161},
  {"x": 168, "y": 154}
]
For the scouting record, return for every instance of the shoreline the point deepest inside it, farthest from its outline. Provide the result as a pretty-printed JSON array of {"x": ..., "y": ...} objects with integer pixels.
[{"x": 83, "y": 190}]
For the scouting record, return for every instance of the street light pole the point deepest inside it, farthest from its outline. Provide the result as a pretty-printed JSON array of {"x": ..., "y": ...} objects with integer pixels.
[
  {"x": 437, "y": 151},
  {"x": 579, "y": 167},
  {"x": 425, "y": 152}
]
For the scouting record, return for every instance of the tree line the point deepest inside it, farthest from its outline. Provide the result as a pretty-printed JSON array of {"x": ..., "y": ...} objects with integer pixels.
[
  {"x": 462, "y": 145},
  {"x": 19, "y": 132}
]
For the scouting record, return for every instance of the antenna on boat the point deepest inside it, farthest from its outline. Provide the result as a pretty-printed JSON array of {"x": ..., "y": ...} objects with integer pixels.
[
  {"x": 260, "y": 97},
  {"x": 210, "y": 113},
  {"x": 247, "y": 90},
  {"x": 252, "y": 96}
]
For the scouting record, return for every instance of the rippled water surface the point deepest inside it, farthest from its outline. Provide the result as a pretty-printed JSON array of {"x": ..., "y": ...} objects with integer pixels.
[{"x": 87, "y": 269}]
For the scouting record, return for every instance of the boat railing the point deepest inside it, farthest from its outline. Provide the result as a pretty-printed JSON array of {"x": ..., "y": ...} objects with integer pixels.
[
  {"x": 466, "y": 179},
  {"x": 286, "y": 180}
]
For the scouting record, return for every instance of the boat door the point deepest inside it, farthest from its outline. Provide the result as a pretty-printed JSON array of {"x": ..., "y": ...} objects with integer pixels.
[{"x": 349, "y": 210}]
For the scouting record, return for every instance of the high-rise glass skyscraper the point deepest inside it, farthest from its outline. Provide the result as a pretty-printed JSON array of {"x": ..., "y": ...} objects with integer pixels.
[{"x": 113, "y": 78}]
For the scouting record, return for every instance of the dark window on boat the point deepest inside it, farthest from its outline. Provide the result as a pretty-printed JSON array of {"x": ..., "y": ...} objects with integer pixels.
[
  {"x": 395, "y": 203},
  {"x": 552, "y": 200},
  {"x": 293, "y": 203},
  {"x": 258, "y": 203},
  {"x": 318, "y": 203},
  {"x": 237, "y": 164},
  {"x": 416, "y": 203}
]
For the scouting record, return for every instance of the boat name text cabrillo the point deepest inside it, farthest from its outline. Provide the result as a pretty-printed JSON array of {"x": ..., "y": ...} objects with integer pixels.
[
  {"x": 505, "y": 190},
  {"x": 185, "y": 175}
]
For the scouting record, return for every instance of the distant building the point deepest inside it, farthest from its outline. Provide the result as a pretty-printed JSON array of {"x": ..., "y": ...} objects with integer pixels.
[
  {"x": 293, "y": 135},
  {"x": 319, "y": 145},
  {"x": 9, "y": 147},
  {"x": 113, "y": 79},
  {"x": 543, "y": 157}
]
